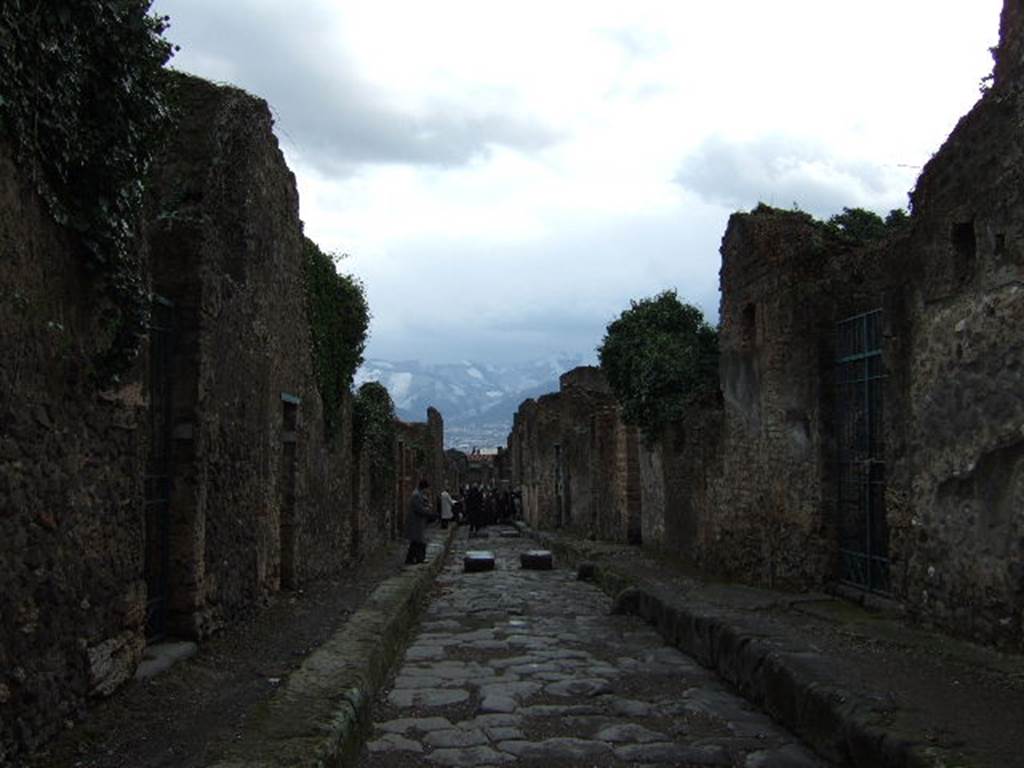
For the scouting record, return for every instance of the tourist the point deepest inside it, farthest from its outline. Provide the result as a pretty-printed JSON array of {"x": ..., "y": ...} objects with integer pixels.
[
  {"x": 446, "y": 508},
  {"x": 416, "y": 520}
]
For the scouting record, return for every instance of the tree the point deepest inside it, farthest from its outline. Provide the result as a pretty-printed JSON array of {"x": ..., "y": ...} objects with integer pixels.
[
  {"x": 659, "y": 356},
  {"x": 858, "y": 226}
]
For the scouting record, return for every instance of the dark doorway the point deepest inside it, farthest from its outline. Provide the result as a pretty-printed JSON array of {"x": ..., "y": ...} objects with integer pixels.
[
  {"x": 159, "y": 468},
  {"x": 289, "y": 424},
  {"x": 863, "y": 530}
]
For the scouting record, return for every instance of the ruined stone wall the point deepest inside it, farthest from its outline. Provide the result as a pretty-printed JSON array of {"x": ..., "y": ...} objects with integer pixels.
[
  {"x": 749, "y": 487},
  {"x": 768, "y": 520},
  {"x": 575, "y": 462},
  {"x": 419, "y": 455},
  {"x": 675, "y": 473},
  {"x": 72, "y": 461},
  {"x": 965, "y": 559},
  {"x": 261, "y": 500}
]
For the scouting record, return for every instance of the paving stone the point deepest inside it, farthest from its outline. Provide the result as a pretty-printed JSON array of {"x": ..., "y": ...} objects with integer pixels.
[
  {"x": 557, "y": 710},
  {"x": 456, "y": 737},
  {"x": 560, "y": 748},
  {"x": 498, "y": 703},
  {"x": 418, "y": 681},
  {"x": 631, "y": 708},
  {"x": 516, "y": 690},
  {"x": 505, "y": 640},
  {"x": 675, "y": 754},
  {"x": 629, "y": 733},
  {"x": 492, "y": 720},
  {"x": 579, "y": 687},
  {"x": 406, "y": 724},
  {"x": 504, "y": 733},
  {"x": 789, "y": 756},
  {"x": 429, "y": 697},
  {"x": 469, "y": 757},
  {"x": 392, "y": 742}
]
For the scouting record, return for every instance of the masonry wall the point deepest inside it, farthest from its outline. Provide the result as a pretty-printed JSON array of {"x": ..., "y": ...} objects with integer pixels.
[
  {"x": 71, "y": 482},
  {"x": 748, "y": 487},
  {"x": 965, "y": 533},
  {"x": 419, "y": 455},
  {"x": 575, "y": 462},
  {"x": 262, "y": 499}
]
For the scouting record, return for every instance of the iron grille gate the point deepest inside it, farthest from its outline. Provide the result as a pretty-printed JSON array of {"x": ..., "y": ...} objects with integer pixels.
[
  {"x": 863, "y": 532},
  {"x": 158, "y": 469}
]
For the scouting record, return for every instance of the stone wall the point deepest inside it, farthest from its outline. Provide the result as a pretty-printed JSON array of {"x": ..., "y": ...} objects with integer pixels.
[
  {"x": 419, "y": 455},
  {"x": 575, "y": 462},
  {"x": 260, "y": 499},
  {"x": 180, "y": 500},
  {"x": 752, "y": 487},
  {"x": 965, "y": 425},
  {"x": 71, "y": 482}
]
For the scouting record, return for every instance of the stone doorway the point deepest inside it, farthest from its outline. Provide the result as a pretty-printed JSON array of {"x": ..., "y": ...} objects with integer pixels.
[
  {"x": 159, "y": 468},
  {"x": 863, "y": 529}
]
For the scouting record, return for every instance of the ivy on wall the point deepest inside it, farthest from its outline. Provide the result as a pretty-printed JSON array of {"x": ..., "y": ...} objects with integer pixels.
[
  {"x": 339, "y": 317},
  {"x": 373, "y": 424},
  {"x": 81, "y": 100}
]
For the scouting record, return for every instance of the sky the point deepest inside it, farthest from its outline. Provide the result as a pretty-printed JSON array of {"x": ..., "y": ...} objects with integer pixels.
[{"x": 504, "y": 177}]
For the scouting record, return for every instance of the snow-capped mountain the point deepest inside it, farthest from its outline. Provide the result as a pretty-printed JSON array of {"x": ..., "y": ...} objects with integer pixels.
[{"x": 477, "y": 400}]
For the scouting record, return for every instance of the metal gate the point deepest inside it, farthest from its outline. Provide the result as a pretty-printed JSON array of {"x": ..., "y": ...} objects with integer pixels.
[
  {"x": 863, "y": 532},
  {"x": 159, "y": 468}
]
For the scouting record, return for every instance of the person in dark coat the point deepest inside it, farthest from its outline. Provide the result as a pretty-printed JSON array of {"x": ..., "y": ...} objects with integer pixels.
[{"x": 416, "y": 519}]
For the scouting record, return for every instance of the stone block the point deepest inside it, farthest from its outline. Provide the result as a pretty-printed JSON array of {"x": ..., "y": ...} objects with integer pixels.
[
  {"x": 478, "y": 560},
  {"x": 537, "y": 560}
]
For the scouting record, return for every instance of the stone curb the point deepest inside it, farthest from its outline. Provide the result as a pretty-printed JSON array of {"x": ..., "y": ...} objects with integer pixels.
[
  {"x": 319, "y": 715},
  {"x": 786, "y": 682}
]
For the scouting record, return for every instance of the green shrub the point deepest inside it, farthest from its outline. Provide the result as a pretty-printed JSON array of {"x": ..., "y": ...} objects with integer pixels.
[{"x": 659, "y": 356}]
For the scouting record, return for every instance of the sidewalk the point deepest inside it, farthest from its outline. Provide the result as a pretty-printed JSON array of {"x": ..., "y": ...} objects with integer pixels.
[
  {"x": 319, "y": 714},
  {"x": 862, "y": 688},
  {"x": 341, "y": 631}
]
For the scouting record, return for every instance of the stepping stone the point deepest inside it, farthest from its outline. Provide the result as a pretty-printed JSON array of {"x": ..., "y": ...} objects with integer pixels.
[
  {"x": 478, "y": 560},
  {"x": 537, "y": 560},
  {"x": 511, "y": 533}
]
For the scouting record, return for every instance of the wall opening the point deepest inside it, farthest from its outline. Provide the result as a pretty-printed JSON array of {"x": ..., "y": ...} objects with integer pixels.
[
  {"x": 159, "y": 469},
  {"x": 748, "y": 325},
  {"x": 863, "y": 526},
  {"x": 289, "y": 442},
  {"x": 965, "y": 245}
]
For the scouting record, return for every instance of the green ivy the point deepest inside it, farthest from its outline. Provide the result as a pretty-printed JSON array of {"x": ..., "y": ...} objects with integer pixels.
[
  {"x": 338, "y": 319},
  {"x": 373, "y": 424},
  {"x": 81, "y": 99},
  {"x": 659, "y": 356}
]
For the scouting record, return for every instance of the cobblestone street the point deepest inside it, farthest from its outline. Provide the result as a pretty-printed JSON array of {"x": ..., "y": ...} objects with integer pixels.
[{"x": 530, "y": 667}]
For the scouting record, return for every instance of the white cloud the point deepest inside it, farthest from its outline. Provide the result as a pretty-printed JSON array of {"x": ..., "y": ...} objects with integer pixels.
[{"x": 507, "y": 176}]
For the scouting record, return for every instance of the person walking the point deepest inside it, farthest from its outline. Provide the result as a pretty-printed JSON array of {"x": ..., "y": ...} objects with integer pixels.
[
  {"x": 446, "y": 508},
  {"x": 416, "y": 519}
]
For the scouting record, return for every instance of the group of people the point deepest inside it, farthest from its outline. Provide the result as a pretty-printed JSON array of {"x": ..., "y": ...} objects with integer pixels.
[{"x": 478, "y": 505}]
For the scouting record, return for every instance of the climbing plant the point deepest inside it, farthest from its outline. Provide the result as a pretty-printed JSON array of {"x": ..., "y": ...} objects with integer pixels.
[
  {"x": 659, "y": 356},
  {"x": 338, "y": 319},
  {"x": 81, "y": 101},
  {"x": 373, "y": 424}
]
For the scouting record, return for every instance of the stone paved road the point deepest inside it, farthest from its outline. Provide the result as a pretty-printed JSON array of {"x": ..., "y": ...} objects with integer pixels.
[{"x": 529, "y": 668}]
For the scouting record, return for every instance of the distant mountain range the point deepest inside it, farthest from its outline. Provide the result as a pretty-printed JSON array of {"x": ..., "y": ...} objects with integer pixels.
[{"x": 477, "y": 400}]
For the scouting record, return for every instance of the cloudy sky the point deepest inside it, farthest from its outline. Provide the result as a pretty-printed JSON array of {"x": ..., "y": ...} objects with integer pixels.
[{"x": 506, "y": 176}]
